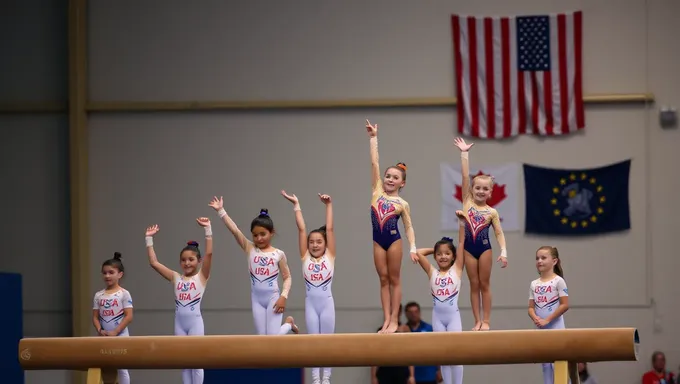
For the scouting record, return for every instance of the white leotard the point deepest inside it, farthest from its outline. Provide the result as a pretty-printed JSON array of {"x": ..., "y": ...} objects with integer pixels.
[
  {"x": 111, "y": 308},
  {"x": 188, "y": 295},
  {"x": 264, "y": 291},
  {"x": 444, "y": 288},
  {"x": 546, "y": 296},
  {"x": 318, "y": 274},
  {"x": 264, "y": 271}
]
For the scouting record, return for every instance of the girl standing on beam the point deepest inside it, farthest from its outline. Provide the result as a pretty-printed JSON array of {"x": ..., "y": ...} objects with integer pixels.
[
  {"x": 479, "y": 218},
  {"x": 445, "y": 286},
  {"x": 386, "y": 209},
  {"x": 317, "y": 251},
  {"x": 265, "y": 263},
  {"x": 189, "y": 287}
]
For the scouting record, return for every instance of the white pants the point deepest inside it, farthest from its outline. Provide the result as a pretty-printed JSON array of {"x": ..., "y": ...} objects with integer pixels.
[
  {"x": 447, "y": 319},
  {"x": 320, "y": 318},
  {"x": 188, "y": 324},
  {"x": 266, "y": 321}
]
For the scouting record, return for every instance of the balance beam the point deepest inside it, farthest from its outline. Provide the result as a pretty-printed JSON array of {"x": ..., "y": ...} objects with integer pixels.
[{"x": 332, "y": 350}]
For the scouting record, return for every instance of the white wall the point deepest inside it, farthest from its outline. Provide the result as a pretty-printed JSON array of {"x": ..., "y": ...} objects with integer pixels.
[{"x": 33, "y": 153}]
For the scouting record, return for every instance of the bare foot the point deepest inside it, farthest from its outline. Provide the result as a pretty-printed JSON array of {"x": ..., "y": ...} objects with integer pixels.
[
  {"x": 384, "y": 326},
  {"x": 391, "y": 328},
  {"x": 485, "y": 326},
  {"x": 477, "y": 326},
  {"x": 293, "y": 327}
]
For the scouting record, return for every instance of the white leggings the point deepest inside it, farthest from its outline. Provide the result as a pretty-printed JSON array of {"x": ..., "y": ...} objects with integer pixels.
[
  {"x": 123, "y": 374},
  {"x": 266, "y": 321},
  {"x": 320, "y": 318},
  {"x": 549, "y": 368},
  {"x": 190, "y": 325},
  {"x": 447, "y": 319}
]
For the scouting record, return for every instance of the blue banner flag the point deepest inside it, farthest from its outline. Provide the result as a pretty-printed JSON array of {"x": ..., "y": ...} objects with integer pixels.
[{"x": 577, "y": 201}]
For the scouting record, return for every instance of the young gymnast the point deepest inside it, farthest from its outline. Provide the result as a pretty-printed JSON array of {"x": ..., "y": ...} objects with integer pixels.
[
  {"x": 386, "y": 208},
  {"x": 317, "y": 251},
  {"x": 478, "y": 217},
  {"x": 445, "y": 285},
  {"x": 112, "y": 306},
  {"x": 189, "y": 287},
  {"x": 265, "y": 263},
  {"x": 548, "y": 297}
]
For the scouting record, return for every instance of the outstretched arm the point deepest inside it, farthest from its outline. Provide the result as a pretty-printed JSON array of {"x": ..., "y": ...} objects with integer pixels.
[
  {"x": 330, "y": 231},
  {"x": 243, "y": 242},
  {"x": 465, "y": 165},
  {"x": 162, "y": 270},
  {"x": 207, "y": 258},
  {"x": 410, "y": 232},
  {"x": 423, "y": 261},
  {"x": 500, "y": 237},
  {"x": 376, "y": 181},
  {"x": 300, "y": 221}
]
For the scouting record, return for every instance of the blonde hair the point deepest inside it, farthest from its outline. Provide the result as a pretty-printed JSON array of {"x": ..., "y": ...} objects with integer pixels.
[
  {"x": 488, "y": 178},
  {"x": 557, "y": 268}
]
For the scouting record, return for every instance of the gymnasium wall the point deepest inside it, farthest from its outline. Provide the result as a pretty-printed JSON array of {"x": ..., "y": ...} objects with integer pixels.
[
  {"x": 164, "y": 167},
  {"x": 33, "y": 153}
]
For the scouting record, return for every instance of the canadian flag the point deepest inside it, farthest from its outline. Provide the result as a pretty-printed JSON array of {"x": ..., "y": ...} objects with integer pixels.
[{"x": 504, "y": 197}]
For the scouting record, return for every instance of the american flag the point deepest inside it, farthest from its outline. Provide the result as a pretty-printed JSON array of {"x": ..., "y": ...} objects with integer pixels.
[{"x": 518, "y": 75}]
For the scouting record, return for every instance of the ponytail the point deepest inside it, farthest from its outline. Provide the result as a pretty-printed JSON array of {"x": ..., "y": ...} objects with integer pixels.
[{"x": 557, "y": 268}]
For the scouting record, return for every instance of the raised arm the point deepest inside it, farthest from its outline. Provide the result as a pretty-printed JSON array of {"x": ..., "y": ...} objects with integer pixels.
[
  {"x": 330, "y": 231},
  {"x": 280, "y": 304},
  {"x": 410, "y": 232},
  {"x": 300, "y": 221},
  {"x": 162, "y": 270},
  {"x": 423, "y": 261},
  {"x": 465, "y": 165},
  {"x": 243, "y": 242},
  {"x": 376, "y": 181},
  {"x": 500, "y": 237},
  {"x": 207, "y": 258}
]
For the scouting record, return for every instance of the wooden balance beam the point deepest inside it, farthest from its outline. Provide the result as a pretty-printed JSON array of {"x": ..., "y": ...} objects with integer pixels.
[{"x": 564, "y": 347}]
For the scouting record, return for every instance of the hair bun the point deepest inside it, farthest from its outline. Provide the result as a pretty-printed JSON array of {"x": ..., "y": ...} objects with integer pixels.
[
  {"x": 402, "y": 166},
  {"x": 192, "y": 243},
  {"x": 447, "y": 239},
  {"x": 264, "y": 212},
  {"x": 117, "y": 255}
]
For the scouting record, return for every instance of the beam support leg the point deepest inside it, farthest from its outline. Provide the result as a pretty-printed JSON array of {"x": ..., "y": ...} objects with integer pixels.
[
  {"x": 94, "y": 376},
  {"x": 561, "y": 372}
]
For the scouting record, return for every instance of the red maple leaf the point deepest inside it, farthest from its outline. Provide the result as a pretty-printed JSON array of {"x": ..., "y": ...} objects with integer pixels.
[{"x": 497, "y": 196}]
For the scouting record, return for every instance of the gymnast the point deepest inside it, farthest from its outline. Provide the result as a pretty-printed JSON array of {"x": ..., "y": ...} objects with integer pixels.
[
  {"x": 386, "y": 208},
  {"x": 548, "y": 298},
  {"x": 112, "y": 306},
  {"x": 265, "y": 263},
  {"x": 478, "y": 217},
  {"x": 445, "y": 285},
  {"x": 189, "y": 287},
  {"x": 317, "y": 251}
]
